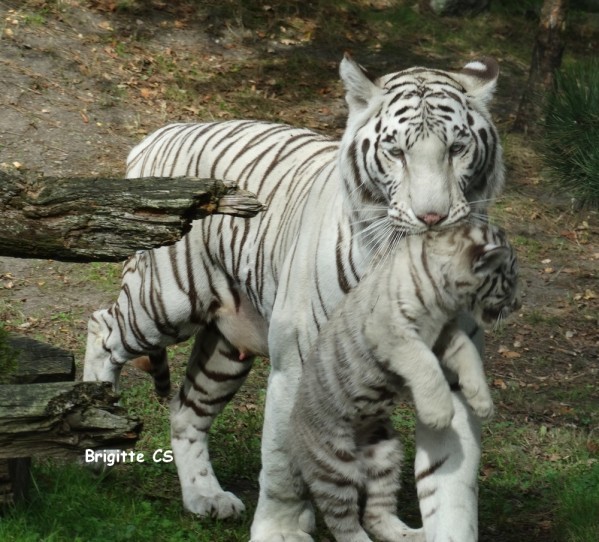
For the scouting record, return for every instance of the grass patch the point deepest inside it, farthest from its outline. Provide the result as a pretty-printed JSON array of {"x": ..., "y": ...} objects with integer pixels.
[
  {"x": 106, "y": 276},
  {"x": 533, "y": 479},
  {"x": 577, "y": 497},
  {"x": 69, "y": 503}
]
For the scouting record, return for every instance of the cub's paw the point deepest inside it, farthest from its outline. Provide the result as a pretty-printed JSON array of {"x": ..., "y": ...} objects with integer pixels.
[
  {"x": 482, "y": 407},
  {"x": 479, "y": 398},
  {"x": 436, "y": 412}
]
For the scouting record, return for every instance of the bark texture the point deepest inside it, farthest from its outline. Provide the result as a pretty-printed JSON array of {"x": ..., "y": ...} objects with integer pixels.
[{"x": 103, "y": 219}]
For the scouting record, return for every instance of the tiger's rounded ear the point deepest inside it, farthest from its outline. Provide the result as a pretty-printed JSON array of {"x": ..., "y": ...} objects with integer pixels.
[
  {"x": 479, "y": 78},
  {"x": 488, "y": 258},
  {"x": 358, "y": 86}
]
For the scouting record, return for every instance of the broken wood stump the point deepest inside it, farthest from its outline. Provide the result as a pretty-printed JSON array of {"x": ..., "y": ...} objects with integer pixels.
[{"x": 43, "y": 413}]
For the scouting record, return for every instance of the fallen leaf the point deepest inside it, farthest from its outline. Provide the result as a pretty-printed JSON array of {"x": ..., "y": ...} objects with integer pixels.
[
  {"x": 571, "y": 235},
  {"x": 499, "y": 383},
  {"x": 147, "y": 93},
  {"x": 589, "y": 294},
  {"x": 510, "y": 354},
  {"x": 584, "y": 225}
]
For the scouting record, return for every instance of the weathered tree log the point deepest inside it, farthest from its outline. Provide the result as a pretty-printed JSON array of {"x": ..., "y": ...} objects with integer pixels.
[
  {"x": 102, "y": 219},
  {"x": 546, "y": 60},
  {"x": 62, "y": 419}
]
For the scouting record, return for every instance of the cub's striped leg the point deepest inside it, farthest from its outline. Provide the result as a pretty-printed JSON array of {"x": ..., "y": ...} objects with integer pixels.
[
  {"x": 327, "y": 462},
  {"x": 381, "y": 462},
  {"x": 214, "y": 373}
]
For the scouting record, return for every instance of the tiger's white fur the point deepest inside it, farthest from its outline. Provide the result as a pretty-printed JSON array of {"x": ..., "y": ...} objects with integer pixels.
[
  {"x": 419, "y": 153},
  {"x": 380, "y": 338}
]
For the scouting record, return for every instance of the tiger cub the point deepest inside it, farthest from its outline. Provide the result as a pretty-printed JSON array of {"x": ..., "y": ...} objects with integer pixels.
[{"x": 380, "y": 338}]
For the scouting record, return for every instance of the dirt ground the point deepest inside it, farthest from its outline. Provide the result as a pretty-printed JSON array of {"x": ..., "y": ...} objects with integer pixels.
[{"x": 81, "y": 83}]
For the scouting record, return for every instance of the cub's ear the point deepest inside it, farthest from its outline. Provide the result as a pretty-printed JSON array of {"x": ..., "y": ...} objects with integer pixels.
[
  {"x": 488, "y": 258},
  {"x": 360, "y": 89},
  {"x": 479, "y": 78}
]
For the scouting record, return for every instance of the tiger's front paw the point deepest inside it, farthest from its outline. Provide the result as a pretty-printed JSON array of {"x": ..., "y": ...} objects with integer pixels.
[{"x": 221, "y": 505}]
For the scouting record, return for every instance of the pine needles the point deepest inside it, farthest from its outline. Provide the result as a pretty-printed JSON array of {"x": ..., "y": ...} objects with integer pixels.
[{"x": 571, "y": 143}]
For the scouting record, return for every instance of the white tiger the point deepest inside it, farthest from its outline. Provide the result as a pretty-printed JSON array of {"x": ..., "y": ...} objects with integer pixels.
[
  {"x": 419, "y": 153},
  {"x": 380, "y": 338}
]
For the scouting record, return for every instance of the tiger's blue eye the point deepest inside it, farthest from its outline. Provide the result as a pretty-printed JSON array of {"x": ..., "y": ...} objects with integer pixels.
[
  {"x": 456, "y": 148},
  {"x": 396, "y": 152}
]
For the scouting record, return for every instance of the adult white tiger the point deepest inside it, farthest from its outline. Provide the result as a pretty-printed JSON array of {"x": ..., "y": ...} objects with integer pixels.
[{"x": 419, "y": 152}]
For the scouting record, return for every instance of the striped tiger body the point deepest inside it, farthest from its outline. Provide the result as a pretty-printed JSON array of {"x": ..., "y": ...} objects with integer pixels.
[
  {"x": 419, "y": 153},
  {"x": 380, "y": 338}
]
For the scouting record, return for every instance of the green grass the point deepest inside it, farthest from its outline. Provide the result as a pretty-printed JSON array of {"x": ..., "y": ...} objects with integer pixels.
[
  {"x": 69, "y": 503},
  {"x": 106, "y": 276},
  {"x": 577, "y": 497}
]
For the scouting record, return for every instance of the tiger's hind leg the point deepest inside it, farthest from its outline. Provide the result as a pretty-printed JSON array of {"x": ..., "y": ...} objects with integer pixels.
[
  {"x": 140, "y": 323},
  {"x": 214, "y": 374},
  {"x": 381, "y": 459},
  {"x": 100, "y": 363}
]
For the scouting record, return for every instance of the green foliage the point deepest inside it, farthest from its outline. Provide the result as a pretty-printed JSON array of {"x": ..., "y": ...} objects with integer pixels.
[
  {"x": 571, "y": 143},
  {"x": 577, "y": 510}
]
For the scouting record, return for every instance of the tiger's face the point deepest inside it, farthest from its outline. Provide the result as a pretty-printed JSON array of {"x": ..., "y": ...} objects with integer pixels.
[{"x": 420, "y": 151}]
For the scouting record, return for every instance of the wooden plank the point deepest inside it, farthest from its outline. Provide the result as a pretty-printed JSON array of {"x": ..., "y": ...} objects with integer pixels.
[{"x": 37, "y": 362}]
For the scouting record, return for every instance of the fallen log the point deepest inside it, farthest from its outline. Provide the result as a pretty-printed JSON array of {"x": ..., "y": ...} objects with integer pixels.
[
  {"x": 107, "y": 219},
  {"x": 62, "y": 419}
]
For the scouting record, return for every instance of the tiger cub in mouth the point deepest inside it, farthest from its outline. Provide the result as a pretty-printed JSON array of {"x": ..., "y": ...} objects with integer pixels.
[{"x": 380, "y": 338}]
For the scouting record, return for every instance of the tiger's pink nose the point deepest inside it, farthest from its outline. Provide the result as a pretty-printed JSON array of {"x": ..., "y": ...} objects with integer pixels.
[{"x": 430, "y": 219}]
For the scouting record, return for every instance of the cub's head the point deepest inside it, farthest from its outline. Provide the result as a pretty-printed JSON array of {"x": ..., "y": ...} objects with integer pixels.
[
  {"x": 484, "y": 270},
  {"x": 420, "y": 151}
]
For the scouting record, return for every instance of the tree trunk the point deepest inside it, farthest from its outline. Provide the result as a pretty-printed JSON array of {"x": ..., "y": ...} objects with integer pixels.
[
  {"x": 62, "y": 419},
  {"x": 546, "y": 60},
  {"x": 99, "y": 219}
]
